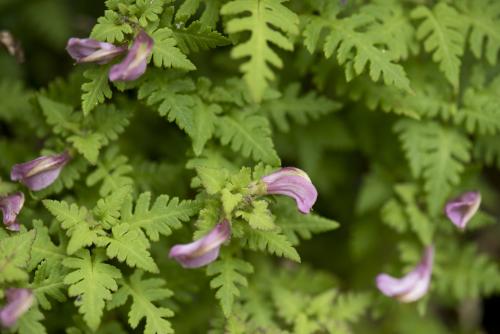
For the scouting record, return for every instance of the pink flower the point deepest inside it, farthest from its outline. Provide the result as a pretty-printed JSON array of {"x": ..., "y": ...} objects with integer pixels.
[
  {"x": 134, "y": 64},
  {"x": 295, "y": 183},
  {"x": 39, "y": 173},
  {"x": 86, "y": 50},
  {"x": 413, "y": 285},
  {"x": 18, "y": 302},
  {"x": 10, "y": 206},
  {"x": 202, "y": 251},
  {"x": 461, "y": 209}
]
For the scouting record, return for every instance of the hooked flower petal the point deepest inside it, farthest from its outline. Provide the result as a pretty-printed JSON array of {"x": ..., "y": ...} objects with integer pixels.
[
  {"x": 413, "y": 285},
  {"x": 135, "y": 63},
  {"x": 39, "y": 173},
  {"x": 204, "y": 250},
  {"x": 18, "y": 302},
  {"x": 460, "y": 210},
  {"x": 295, "y": 183}
]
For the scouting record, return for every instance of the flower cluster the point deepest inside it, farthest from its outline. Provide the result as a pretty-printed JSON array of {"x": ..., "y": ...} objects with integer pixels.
[
  {"x": 288, "y": 181},
  {"x": 134, "y": 64},
  {"x": 415, "y": 284}
]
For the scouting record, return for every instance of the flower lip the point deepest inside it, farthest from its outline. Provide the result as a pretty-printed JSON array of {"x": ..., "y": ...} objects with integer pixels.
[
  {"x": 135, "y": 63},
  {"x": 292, "y": 182},
  {"x": 10, "y": 206},
  {"x": 18, "y": 302},
  {"x": 87, "y": 50},
  {"x": 461, "y": 209},
  {"x": 41, "y": 172},
  {"x": 413, "y": 285},
  {"x": 204, "y": 250}
]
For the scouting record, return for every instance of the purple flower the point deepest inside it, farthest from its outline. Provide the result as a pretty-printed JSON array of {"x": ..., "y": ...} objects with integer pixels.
[
  {"x": 293, "y": 182},
  {"x": 18, "y": 302},
  {"x": 461, "y": 209},
  {"x": 413, "y": 285},
  {"x": 202, "y": 251},
  {"x": 10, "y": 206},
  {"x": 134, "y": 64},
  {"x": 39, "y": 173},
  {"x": 86, "y": 50}
]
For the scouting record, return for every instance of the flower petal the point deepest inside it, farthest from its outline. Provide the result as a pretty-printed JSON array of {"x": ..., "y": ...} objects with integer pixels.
[
  {"x": 135, "y": 63},
  {"x": 204, "y": 250},
  {"x": 86, "y": 50},
  {"x": 18, "y": 302},
  {"x": 295, "y": 183},
  {"x": 39, "y": 173},
  {"x": 460, "y": 210},
  {"x": 413, "y": 285},
  {"x": 10, "y": 206}
]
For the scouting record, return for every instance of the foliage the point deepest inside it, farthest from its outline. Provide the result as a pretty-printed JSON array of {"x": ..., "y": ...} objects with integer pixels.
[{"x": 390, "y": 107}]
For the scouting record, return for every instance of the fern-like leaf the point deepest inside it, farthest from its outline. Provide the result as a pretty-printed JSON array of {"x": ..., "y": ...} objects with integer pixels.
[
  {"x": 166, "y": 53},
  {"x": 96, "y": 90},
  {"x": 93, "y": 281},
  {"x": 267, "y": 21},
  {"x": 250, "y": 134},
  {"x": 443, "y": 35},
  {"x": 272, "y": 242},
  {"x": 144, "y": 292},
  {"x": 165, "y": 214},
  {"x": 228, "y": 279}
]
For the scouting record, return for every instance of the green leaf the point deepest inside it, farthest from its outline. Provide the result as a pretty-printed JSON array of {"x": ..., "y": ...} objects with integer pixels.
[
  {"x": 436, "y": 153},
  {"x": 30, "y": 322},
  {"x": 165, "y": 214},
  {"x": 250, "y": 134},
  {"x": 93, "y": 281},
  {"x": 60, "y": 116},
  {"x": 205, "y": 120},
  {"x": 299, "y": 108},
  {"x": 44, "y": 249},
  {"x": 96, "y": 90},
  {"x": 260, "y": 217},
  {"x": 129, "y": 246},
  {"x": 165, "y": 52},
  {"x": 268, "y": 22},
  {"x": 272, "y": 242},
  {"x": 483, "y": 19},
  {"x": 15, "y": 253},
  {"x": 442, "y": 31},
  {"x": 294, "y": 224},
  {"x": 111, "y": 28},
  {"x": 75, "y": 221},
  {"x": 107, "y": 210},
  {"x": 144, "y": 292},
  {"x": 356, "y": 49},
  {"x": 48, "y": 281},
  {"x": 228, "y": 279},
  {"x": 198, "y": 37},
  {"x": 212, "y": 179},
  {"x": 112, "y": 170},
  {"x": 88, "y": 145},
  {"x": 230, "y": 201},
  {"x": 149, "y": 11}
]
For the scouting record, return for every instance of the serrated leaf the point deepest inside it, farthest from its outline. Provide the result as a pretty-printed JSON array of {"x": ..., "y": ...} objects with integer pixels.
[
  {"x": 198, "y": 37},
  {"x": 260, "y": 217},
  {"x": 268, "y": 22},
  {"x": 15, "y": 253},
  {"x": 272, "y": 242},
  {"x": 111, "y": 28},
  {"x": 88, "y": 145},
  {"x": 166, "y": 53},
  {"x": 249, "y": 134},
  {"x": 164, "y": 215},
  {"x": 93, "y": 281},
  {"x": 228, "y": 279},
  {"x": 96, "y": 90},
  {"x": 144, "y": 292},
  {"x": 130, "y": 246}
]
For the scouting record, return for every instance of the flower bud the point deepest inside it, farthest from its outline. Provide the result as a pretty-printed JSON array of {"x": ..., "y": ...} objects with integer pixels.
[
  {"x": 292, "y": 182},
  {"x": 134, "y": 64},
  {"x": 39, "y": 173},
  {"x": 10, "y": 206},
  {"x": 204, "y": 250},
  {"x": 86, "y": 50},
  {"x": 461, "y": 209},
  {"x": 413, "y": 285},
  {"x": 18, "y": 302}
]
